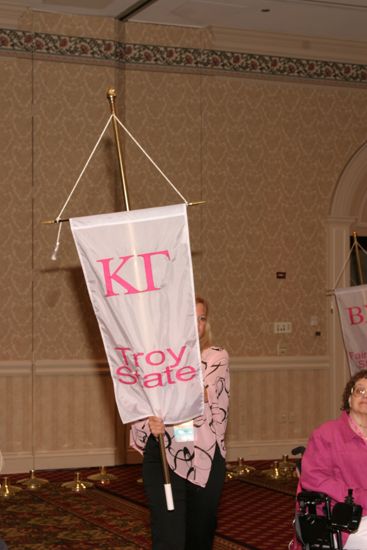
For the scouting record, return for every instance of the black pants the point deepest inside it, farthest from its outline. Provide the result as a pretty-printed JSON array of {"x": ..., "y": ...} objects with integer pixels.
[{"x": 191, "y": 525}]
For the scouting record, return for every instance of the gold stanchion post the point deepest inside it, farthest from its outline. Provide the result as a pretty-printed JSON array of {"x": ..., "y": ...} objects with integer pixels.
[
  {"x": 32, "y": 482},
  {"x": 7, "y": 490},
  {"x": 103, "y": 477},
  {"x": 77, "y": 485}
]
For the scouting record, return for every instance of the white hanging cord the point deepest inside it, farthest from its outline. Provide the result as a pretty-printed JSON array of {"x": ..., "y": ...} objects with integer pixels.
[
  {"x": 151, "y": 160},
  {"x": 84, "y": 169},
  {"x": 361, "y": 247},
  {"x": 57, "y": 219},
  {"x": 344, "y": 265}
]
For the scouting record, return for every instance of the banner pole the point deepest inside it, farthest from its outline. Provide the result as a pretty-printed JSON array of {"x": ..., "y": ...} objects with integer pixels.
[
  {"x": 111, "y": 96},
  {"x": 166, "y": 477},
  {"x": 359, "y": 266}
]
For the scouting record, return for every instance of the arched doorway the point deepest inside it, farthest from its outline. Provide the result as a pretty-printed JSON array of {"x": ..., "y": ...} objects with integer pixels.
[{"x": 348, "y": 213}]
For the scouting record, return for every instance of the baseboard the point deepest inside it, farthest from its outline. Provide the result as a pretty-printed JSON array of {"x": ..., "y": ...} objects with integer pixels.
[{"x": 15, "y": 463}]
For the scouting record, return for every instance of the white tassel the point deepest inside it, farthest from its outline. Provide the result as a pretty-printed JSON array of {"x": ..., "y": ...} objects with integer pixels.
[
  {"x": 57, "y": 245},
  {"x": 54, "y": 254}
]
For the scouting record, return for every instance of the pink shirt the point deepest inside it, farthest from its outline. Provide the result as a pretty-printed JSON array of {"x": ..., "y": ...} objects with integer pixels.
[
  {"x": 192, "y": 460},
  {"x": 335, "y": 461}
]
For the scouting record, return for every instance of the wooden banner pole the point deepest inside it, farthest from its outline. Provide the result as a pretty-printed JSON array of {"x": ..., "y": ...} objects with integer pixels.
[{"x": 111, "y": 96}]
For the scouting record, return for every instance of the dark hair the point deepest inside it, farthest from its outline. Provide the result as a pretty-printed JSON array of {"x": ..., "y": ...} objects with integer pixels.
[{"x": 349, "y": 387}]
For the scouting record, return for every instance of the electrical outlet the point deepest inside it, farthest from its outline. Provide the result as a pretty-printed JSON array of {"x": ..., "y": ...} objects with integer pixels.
[
  {"x": 282, "y": 348},
  {"x": 282, "y": 328}
]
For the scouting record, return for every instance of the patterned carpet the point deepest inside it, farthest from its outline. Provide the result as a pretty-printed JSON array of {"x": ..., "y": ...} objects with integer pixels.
[
  {"x": 53, "y": 518},
  {"x": 115, "y": 516}
]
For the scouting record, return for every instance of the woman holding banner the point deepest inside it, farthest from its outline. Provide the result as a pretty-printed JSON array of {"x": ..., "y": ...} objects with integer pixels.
[{"x": 197, "y": 463}]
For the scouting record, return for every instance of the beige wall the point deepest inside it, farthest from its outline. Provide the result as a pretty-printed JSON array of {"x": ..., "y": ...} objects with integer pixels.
[{"x": 264, "y": 152}]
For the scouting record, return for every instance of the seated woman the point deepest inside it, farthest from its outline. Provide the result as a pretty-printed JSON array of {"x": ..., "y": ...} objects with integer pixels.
[{"x": 336, "y": 456}]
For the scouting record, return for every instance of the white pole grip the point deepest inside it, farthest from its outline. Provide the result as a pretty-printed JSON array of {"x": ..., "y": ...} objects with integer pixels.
[{"x": 169, "y": 497}]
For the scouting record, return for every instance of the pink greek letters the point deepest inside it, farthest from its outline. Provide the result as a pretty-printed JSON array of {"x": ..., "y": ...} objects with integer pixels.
[{"x": 113, "y": 280}]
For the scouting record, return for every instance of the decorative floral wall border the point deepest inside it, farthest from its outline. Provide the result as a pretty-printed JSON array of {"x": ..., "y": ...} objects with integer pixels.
[{"x": 17, "y": 41}]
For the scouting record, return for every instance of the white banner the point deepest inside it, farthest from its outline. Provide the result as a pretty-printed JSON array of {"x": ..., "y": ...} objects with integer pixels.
[
  {"x": 352, "y": 305},
  {"x": 137, "y": 266}
]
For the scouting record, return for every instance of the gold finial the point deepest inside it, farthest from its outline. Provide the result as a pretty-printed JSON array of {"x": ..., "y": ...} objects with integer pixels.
[
  {"x": 111, "y": 92},
  {"x": 111, "y": 96}
]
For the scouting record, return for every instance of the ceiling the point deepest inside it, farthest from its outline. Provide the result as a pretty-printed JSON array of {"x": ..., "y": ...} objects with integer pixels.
[{"x": 333, "y": 19}]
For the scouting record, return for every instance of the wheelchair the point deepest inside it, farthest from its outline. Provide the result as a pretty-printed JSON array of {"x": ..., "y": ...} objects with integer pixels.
[{"x": 319, "y": 525}]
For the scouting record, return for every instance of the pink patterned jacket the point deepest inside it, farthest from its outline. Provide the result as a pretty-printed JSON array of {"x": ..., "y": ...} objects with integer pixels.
[
  {"x": 192, "y": 460},
  {"x": 335, "y": 461}
]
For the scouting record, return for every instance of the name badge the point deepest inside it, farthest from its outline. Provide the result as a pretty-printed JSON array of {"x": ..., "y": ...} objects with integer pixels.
[{"x": 184, "y": 431}]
